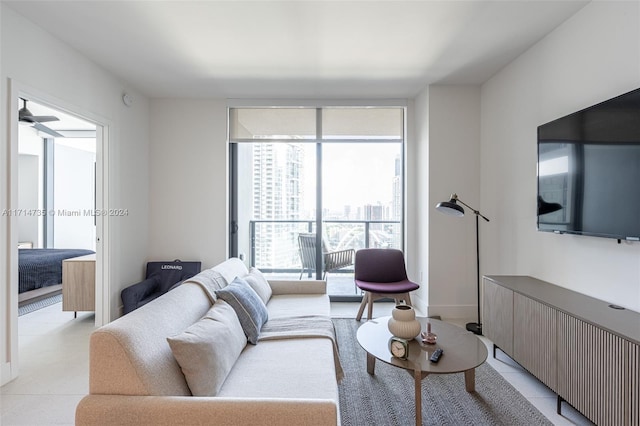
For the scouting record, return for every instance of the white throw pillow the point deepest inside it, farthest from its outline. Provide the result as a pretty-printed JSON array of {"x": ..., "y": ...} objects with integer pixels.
[
  {"x": 259, "y": 284},
  {"x": 208, "y": 349}
]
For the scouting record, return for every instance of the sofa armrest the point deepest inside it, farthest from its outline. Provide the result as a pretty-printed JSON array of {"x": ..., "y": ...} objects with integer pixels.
[
  {"x": 111, "y": 410},
  {"x": 298, "y": 287},
  {"x": 132, "y": 295}
]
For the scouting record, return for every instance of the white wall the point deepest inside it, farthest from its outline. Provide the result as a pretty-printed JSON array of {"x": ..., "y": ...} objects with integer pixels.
[
  {"x": 592, "y": 57},
  {"x": 189, "y": 189},
  {"x": 28, "y": 198},
  {"x": 30, "y": 184},
  {"x": 73, "y": 196},
  {"x": 454, "y": 166},
  {"x": 6, "y": 333},
  {"x": 79, "y": 85},
  {"x": 188, "y": 183},
  {"x": 418, "y": 200}
]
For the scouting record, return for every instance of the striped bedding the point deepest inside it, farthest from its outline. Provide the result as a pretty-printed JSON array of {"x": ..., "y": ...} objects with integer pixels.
[{"x": 39, "y": 268}]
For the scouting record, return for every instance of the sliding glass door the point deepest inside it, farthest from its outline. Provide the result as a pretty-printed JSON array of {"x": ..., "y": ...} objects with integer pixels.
[{"x": 310, "y": 186}]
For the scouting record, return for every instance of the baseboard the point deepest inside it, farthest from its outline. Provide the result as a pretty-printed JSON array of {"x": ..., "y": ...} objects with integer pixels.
[
  {"x": 463, "y": 312},
  {"x": 420, "y": 305}
]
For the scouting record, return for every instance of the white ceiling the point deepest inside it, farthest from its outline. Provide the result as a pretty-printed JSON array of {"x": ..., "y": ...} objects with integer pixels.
[{"x": 298, "y": 48}]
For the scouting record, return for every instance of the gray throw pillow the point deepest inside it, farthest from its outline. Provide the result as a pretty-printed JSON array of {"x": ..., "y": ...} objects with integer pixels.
[{"x": 250, "y": 309}]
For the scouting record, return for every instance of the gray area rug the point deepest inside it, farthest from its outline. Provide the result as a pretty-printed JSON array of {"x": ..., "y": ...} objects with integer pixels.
[
  {"x": 387, "y": 398},
  {"x": 28, "y": 308}
]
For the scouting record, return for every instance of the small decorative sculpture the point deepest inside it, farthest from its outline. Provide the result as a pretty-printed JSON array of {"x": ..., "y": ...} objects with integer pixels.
[{"x": 429, "y": 337}]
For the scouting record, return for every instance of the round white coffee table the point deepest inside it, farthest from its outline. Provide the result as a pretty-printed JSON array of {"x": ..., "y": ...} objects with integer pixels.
[{"x": 463, "y": 352}]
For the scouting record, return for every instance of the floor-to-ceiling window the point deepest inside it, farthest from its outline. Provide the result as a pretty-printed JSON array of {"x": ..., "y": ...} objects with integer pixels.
[{"x": 331, "y": 177}]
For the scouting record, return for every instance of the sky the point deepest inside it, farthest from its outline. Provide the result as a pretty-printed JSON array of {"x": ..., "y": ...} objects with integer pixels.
[{"x": 354, "y": 174}]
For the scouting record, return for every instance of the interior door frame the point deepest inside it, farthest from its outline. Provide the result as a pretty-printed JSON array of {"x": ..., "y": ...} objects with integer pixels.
[{"x": 18, "y": 90}]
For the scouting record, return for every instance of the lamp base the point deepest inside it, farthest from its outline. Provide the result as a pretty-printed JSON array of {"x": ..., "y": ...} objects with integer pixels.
[{"x": 474, "y": 327}]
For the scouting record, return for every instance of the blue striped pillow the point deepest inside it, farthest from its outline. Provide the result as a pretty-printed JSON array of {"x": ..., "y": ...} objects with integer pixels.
[{"x": 250, "y": 309}]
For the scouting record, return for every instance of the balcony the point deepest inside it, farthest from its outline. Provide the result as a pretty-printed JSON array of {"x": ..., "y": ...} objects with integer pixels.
[{"x": 274, "y": 247}]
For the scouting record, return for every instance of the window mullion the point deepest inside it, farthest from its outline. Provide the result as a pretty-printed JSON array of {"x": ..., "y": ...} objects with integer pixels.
[{"x": 319, "y": 254}]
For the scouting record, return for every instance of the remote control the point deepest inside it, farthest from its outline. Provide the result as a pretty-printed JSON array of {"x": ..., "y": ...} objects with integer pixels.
[{"x": 435, "y": 356}]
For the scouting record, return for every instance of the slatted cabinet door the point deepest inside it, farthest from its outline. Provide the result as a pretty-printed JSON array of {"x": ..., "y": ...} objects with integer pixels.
[
  {"x": 598, "y": 373},
  {"x": 498, "y": 315},
  {"x": 535, "y": 338}
]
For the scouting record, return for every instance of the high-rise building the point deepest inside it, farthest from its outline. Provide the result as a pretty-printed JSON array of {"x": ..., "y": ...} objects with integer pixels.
[
  {"x": 277, "y": 195},
  {"x": 396, "y": 204},
  {"x": 396, "y": 191}
]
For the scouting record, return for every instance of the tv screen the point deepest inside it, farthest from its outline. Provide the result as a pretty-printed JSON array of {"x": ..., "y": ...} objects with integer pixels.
[{"x": 589, "y": 171}]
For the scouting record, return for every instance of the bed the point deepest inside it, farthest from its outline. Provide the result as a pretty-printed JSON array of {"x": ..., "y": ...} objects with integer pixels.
[{"x": 40, "y": 271}]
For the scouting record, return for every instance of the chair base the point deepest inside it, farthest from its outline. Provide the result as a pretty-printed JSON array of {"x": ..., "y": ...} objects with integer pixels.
[{"x": 368, "y": 298}]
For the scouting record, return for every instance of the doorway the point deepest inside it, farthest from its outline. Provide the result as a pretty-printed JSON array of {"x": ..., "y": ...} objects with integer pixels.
[
  {"x": 56, "y": 201},
  {"x": 18, "y": 95}
]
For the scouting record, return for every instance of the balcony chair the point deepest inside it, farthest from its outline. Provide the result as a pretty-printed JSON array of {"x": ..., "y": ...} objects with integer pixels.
[
  {"x": 381, "y": 273},
  {"x": 333, "y": 260}
]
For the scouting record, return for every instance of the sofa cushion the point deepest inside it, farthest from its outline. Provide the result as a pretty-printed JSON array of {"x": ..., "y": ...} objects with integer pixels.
[
  {"x": 208, "y": 349},
  {"x": 287, "y": 368},
  {"x": 250, "y": 309},
  {"x": 290, "y": 305},
  {"x": 259, "y": 284}
]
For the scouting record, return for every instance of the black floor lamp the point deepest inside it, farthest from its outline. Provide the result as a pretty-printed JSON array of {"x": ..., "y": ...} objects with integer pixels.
[{"x": 452, "y": 208}]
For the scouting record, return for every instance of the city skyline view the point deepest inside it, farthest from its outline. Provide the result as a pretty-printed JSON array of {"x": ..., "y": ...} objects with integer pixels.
[{"x": 283, "y": 187}]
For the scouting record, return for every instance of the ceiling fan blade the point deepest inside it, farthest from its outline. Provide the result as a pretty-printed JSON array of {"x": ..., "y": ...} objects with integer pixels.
[
  {"x": 25, "y": 115},
  {"x": 44, "y": 118},
  {"x": 47, "y": 130}
]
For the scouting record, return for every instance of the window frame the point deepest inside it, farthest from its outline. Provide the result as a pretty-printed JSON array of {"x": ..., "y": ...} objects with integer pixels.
[{"x": 319, "y": 106}]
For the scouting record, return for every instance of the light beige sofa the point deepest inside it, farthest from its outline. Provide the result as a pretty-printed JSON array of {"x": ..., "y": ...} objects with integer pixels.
[{"x": 135, "y": 379}]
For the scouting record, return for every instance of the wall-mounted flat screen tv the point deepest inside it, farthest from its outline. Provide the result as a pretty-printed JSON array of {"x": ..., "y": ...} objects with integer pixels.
[{"x": 589, "y": 171}]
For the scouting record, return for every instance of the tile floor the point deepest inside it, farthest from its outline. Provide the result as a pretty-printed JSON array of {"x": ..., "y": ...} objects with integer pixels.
[{"x": 54, "y": 370}]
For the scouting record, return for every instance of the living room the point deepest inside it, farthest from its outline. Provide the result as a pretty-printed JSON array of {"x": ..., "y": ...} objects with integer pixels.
[{"x": 477, "y": 140}]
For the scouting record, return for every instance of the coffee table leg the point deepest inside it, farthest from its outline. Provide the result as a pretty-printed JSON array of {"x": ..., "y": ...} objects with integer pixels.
[
  {"x": 417, "y": 378},
  {"x": 470, "y": 380},
  {"x": 371, "y": 363}
]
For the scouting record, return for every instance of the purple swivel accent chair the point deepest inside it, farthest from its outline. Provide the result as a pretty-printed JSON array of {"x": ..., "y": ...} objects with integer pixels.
[{"x": 381, "y": 273}]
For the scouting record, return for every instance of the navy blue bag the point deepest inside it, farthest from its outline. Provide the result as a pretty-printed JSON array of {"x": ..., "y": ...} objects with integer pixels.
[
  {"x": 171, "y": 274},
  {"x": 161, "y": 277}
]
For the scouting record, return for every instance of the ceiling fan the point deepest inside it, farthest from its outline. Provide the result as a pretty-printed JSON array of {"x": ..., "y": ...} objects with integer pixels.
[{"x": 25, "y": 116}]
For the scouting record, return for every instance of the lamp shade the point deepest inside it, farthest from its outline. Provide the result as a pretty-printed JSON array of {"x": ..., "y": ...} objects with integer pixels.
[{"x": 450, "y": 207}]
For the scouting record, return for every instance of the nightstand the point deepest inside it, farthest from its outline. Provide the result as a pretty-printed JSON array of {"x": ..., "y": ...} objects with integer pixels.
[{"x": 79, "y": 284}]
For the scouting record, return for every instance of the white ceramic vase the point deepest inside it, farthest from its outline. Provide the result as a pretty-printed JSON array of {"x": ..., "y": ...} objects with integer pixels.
[{"x": 403, "y": 322}]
